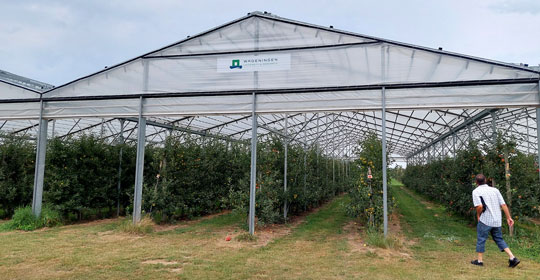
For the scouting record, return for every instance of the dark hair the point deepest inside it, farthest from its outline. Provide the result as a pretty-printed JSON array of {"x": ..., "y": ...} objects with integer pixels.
[{"x": 480, "y": 179}]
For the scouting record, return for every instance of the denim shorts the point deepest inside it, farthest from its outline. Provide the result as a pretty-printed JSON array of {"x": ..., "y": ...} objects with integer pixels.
[{"x": 483, "y": 233}]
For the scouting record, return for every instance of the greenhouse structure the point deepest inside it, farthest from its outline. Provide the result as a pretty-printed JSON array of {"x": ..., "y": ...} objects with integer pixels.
[{"x": 263, "y": 75}]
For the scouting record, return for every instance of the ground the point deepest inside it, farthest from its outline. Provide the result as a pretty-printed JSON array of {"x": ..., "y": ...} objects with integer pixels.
[{"x": 324, "y": 244}]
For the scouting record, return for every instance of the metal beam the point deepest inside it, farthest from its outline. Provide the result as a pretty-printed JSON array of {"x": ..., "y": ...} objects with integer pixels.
[{"x": 465, "y": 124}]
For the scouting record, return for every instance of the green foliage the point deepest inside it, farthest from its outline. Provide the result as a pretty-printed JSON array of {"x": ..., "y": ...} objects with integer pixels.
[
  {"x": 81, "y": 176},
  {"x": 191, "y": 177},
  {"x": 450, "y": 181},
  {"x": 185, "y": 178},
  {"x": 312, "y": 179},
  {"x": 367, "y": 195},
  {"x": 23, "y": 219},
  {"x": 396, "y": 173},
  {"x": 16, "y": 174}
]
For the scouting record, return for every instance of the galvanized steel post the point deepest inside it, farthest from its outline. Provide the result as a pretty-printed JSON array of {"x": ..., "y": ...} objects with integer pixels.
[
  {"x": 119, "y": 186},
  {"x": 494, "y": 126},
  {"x": 385, "y": 195},
  {"x": 253, "y": 176},
  {"x": 454, "y": 144},
  {"x": 286, "y": 148},
  {"x": 39, "y": 171},
  {"x": 139, "y": 165},
  {"x": 538, "y": 130},
  {"x": 254, "y": 125}
]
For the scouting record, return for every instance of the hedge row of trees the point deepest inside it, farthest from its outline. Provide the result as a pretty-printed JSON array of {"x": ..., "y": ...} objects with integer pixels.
[
  {"x": 367, "y": 195},
  {"x": 451, "y": 180},
  {"x": 16, "y": 174},
  {"x": 81, "y": 177},
  {"x": 182, "y": 179},
  {"x": 312, "y": 179}
]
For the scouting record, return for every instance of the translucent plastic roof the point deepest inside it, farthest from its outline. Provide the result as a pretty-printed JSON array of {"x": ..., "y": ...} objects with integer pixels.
[{"x": 330, "y": 91}]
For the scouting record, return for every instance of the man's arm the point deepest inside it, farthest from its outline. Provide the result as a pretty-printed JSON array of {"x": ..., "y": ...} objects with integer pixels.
[
  {"x": 479, "y": 209},
  {"x": 505, "y": 209},
  {"x": 478, "y": 205},
  {"x": 507, "y": 213}
]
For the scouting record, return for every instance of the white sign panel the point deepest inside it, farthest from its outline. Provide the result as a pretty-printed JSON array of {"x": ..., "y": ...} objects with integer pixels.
[{"x": 251, "y": 63}]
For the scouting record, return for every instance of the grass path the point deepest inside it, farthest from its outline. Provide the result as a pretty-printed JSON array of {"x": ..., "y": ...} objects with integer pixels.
[
  {"x": 446, "y": 244},
  {"x": 318, "y": 248}
]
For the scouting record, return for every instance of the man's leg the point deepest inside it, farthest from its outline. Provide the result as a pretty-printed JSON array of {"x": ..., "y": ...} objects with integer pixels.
[
  {"x": 509, "y": 253},
  {"x": 480, "y": 257},
  {"x": 482, "y": 234},
  {"x": 496, "y": 233}
]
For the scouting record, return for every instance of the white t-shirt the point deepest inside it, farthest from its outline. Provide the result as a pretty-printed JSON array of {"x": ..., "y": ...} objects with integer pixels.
[{"x": 493, "y": 199}]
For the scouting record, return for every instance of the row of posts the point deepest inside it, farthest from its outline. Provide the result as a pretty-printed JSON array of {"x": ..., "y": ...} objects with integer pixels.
[
  {"x": 139, "y": 167},
  {"x": 42, "y": 143}
]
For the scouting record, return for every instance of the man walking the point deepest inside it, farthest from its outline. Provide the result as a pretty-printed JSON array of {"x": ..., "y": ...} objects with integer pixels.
[{"x": 488, "y": 202}]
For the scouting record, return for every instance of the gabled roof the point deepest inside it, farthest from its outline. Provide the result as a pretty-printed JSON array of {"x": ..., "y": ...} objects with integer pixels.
[
  {"x": 321, "y": 57},
  {"x": 13, "y": 86}
]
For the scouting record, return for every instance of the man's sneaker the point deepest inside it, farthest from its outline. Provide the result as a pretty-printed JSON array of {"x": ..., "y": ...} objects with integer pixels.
[
  {"x": 476, "y": 262},
  {"x": 513, "y": 262}
]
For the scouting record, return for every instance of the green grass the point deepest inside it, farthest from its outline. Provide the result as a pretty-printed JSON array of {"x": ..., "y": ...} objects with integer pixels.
[
  {"x": 437, "y": 224},
  {"x": 439, "y": 245},
  {"x": 377, "y": 239},
  {"x": 145, "y": 226},
  {"x": 246, "y": 237},
  {"x": 24, "y": 219},
  {"x": 5, "y": 226}
]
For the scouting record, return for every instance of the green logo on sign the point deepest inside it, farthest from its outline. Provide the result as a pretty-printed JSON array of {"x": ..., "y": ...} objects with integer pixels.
[{"x": 236, "y": 64}]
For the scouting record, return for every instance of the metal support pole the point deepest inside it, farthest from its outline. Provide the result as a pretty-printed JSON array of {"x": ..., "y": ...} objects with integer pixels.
[
  {"x": 305, "y": 168},
  {"x": 528, "y": 135},
  {"x": 102, "y": 129},
  {"x": 253, "y": 177},
  {"x": 254, "y": 125},
  {"x": 53, "y": 128},
  {"x": 333, "y": 152},
  {"x": 119, "y": 187},
  {"x": 443, "y": 145},
  {"x": 538, "y": 136},
  {"x": 494, "y": 126},
  {"x": 286, "y": 148},
  {"x": 139, "y": 166},
  {"x": 470, "y": 134},
  {"x": 333, "y": 170},
  {"x": 385, "y": 195},
  {"x": 305, "y": 154},
  {"x": 454, "y": 144},
  {"x": 39, "y": 172}
]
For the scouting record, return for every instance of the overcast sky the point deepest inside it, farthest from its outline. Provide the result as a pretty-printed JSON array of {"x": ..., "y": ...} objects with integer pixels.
[{"x": 58, "y": 41}]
